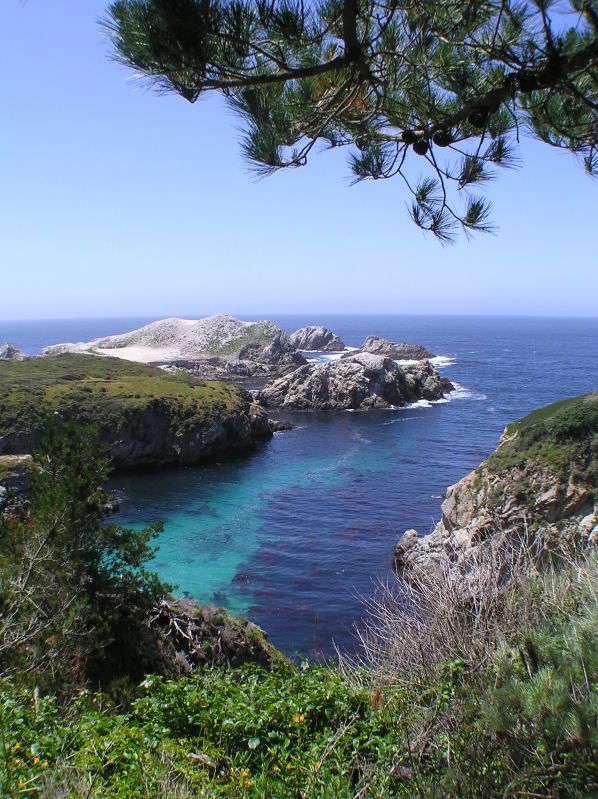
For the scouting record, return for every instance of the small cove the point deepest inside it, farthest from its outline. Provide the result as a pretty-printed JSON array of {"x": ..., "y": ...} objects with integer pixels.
[{"x": 296, "y": 533}]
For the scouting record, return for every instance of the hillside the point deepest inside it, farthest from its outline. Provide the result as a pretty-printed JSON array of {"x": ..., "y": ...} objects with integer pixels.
[
  {"x": 145, "y": 416},
  {"x": 181, "y": 339}
]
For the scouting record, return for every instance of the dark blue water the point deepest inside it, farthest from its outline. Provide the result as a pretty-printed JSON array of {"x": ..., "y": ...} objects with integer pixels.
[{"x": 296, "y": 533}]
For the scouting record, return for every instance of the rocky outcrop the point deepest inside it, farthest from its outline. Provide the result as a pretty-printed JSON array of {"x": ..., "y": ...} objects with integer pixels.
[
  {"x": 316, "y": 337},
  {"x": 359, "y": 382},
  {"x": 397, "y": 350},
  {"x": 542, "y": 482},
  {"x": 176, "y": 637},
  {"x": 8, "y": 352},
  {"x": 161, "y": 434},
  {"x": 173, "y": 339},
  {"x": 256, "y": 362}
]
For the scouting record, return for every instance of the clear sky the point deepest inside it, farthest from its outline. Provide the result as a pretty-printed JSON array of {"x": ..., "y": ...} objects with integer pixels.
[{"x": 115, "y": 202}]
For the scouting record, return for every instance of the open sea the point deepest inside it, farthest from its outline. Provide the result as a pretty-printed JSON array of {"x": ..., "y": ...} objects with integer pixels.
[{"x": 297, "y": 533}]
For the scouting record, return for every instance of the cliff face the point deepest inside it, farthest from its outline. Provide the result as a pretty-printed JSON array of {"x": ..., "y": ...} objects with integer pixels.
[
  {"x": 156, "y": 435},
  {"x": 541, "y": 481},
  {"x": 144, "y": 416}
]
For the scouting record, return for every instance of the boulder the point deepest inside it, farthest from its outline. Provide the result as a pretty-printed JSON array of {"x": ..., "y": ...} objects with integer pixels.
[
  {"x": 8, "y": 352},
  {"x": 316, "y": 337},
  {"x": 360, "y": 382},
  {"x": 396, "y": 350}
]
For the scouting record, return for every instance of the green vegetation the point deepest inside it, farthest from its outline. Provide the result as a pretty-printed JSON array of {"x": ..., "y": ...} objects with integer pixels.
[
  {"x": 102, "y": 391},
  {"x": 558, "y": 436},
  {"x": 456, "y": 695},
  {"x": 74, "y": 591},
  {"x": 438, "y": 89},
  {"x": 259, "y": 334},
  {"x": 523, "y": 724}
]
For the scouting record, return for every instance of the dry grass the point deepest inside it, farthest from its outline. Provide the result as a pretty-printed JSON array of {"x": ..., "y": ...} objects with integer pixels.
[{"x": 467, "y": 608}]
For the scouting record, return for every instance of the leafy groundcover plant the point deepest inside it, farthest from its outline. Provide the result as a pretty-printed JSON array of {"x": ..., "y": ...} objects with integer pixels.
[{"x": 485, "y": 699}]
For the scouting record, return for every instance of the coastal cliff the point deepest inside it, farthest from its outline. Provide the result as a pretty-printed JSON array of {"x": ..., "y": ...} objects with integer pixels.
[
  {"x": 541, "y": 483},
  {"x": 143, "y": 415}
]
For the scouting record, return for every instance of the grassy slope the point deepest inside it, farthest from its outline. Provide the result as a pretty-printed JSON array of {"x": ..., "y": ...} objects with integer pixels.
[
  {"x": 100, "y": 389},
  {"x": 559, "y": 436}
]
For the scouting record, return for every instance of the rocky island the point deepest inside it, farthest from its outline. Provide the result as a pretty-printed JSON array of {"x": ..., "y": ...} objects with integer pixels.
[
  {"x": 8, "y": 352},
  {"x": 358, "y": 382},
  {"x": 316, "y": 338},
  {"x": 217, "y": 347},
  {"x": 225, "y": 348},
  {"x": 398, "y": 350}
]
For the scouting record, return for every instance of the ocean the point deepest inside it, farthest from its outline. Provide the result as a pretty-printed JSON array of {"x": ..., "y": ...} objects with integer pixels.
[{"x": 296, "y": 534}]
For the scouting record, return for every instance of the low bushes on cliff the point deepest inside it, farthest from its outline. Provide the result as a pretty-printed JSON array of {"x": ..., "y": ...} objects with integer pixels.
[
  {"x": 73, "y": 589},
  {"x": 99, "y": 387}
]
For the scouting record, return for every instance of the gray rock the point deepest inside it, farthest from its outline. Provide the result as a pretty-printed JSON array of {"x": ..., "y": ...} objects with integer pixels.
[
  {"x": 397, "y": 350},
  {"x": 257, "y": 361},
  {"x": 359, "y": 382},
  {"x": 316, "y": 337},
  {"x": 485, "y": 509},
  {"x": 8, "y": 352}
]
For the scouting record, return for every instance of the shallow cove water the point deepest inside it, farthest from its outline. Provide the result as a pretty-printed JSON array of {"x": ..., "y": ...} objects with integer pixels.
[{"x": 295, "y": 534}]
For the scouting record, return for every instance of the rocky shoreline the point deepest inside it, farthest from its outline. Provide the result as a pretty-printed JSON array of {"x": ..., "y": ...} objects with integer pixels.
[
  {"x": 113, "y": 383},
  {"x": 540, "y": 485}
]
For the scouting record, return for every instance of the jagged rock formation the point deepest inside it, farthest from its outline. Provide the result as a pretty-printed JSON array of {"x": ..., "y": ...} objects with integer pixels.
[
  {"x": 396, "y": 350},
  {"x": 255, "y": 362},
  {"x": 8, "y": 352},
  {"x": 316, "y": 337},
  {"x": 542, "y": 482},
  {"x": 359, "y": 382}
]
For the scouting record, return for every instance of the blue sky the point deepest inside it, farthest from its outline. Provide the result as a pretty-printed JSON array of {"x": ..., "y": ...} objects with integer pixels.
[{"x": 114, "y": 201}]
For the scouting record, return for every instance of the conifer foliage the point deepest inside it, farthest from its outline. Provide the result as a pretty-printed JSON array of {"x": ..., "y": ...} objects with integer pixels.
[{"x": 436, "y": 92}]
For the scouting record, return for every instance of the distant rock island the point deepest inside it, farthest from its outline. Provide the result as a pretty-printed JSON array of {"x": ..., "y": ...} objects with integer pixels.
[
  {"x": 224, "y": 348},
  {"x": 397, "y": 350},
  {"x": 217, "y": 347},
  {"x": 316, "y": 338}
]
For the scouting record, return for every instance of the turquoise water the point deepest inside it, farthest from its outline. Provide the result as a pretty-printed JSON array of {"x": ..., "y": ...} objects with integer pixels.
[
  {"x": 295, "y": 534},
  {"x": 213, "y": 514}
]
